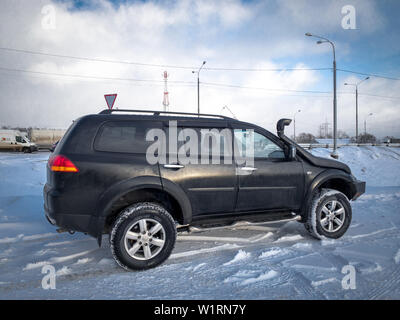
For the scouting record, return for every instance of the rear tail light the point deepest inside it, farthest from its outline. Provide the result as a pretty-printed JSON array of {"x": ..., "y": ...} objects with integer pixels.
[{"x": 61, "y": 163}]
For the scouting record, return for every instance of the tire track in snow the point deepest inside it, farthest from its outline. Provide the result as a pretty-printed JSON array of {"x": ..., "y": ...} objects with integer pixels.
[{"x": 388, "y": 287}]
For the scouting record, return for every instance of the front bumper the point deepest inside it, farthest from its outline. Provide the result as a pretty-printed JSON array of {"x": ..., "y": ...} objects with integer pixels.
[{"x": 359, "y": 189}]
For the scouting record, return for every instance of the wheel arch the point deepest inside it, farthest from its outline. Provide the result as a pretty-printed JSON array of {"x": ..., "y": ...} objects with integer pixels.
[
  {"x": 139, "y": 189},
  {"x": 330, "y": 179}
]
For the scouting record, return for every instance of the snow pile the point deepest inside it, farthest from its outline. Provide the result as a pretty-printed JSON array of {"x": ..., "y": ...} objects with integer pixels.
[
  {"x": 397, "y": 257},
  {"x": 63, "y": 271},
  {"x": 241, "y": 255},
  {"x": 83, "y": 261},
  {"x": 375, "y": 165},
  {"x": 262, "y": 277},
  {"x": 295, "y": 237},
  {"x": 272, "y": 252}
]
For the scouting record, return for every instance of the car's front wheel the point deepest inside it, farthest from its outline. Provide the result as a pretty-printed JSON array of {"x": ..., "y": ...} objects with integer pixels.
[
  {"x": 329, "y": 214},
  {"x": 143, "y": 236}
]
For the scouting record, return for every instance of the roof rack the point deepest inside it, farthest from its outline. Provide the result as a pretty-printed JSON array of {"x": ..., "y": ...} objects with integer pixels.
[{"x": 157, "y": 113}]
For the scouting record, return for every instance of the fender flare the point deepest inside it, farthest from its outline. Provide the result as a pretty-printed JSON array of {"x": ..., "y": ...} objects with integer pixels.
[
  {"x": 113, "y": 193},
  {"x": 318, "y": 181}
]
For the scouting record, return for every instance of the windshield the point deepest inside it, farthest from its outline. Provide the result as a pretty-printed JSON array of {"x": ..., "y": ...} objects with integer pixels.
[{"x": 21, "y": 139}]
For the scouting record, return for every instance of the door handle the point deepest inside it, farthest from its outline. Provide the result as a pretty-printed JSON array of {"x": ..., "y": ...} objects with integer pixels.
[
  {"x": 173, "y": 166},
  {"x": 248, "y": 168}
]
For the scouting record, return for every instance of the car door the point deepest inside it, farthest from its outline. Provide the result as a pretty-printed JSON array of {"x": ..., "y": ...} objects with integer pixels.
[
  {"x": 210, "y": 187},
  {"x": 272, "y": 181}
]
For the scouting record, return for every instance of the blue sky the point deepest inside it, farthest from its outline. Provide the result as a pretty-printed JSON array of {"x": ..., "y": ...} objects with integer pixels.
[
  {"x": 375, "y": 52},
  {"x": 367, "y": 49},
  {"x": 226, "y": 33}
]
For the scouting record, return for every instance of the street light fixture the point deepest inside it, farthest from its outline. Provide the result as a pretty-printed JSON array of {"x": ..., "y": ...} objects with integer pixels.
[
  {"x": 334, "y": 153},
  {"x": 356, "y": 85},
  {"x": 198, "y": 86},
  {"x": 294, "y": 124},
  {"x": 365, "y": 123}
]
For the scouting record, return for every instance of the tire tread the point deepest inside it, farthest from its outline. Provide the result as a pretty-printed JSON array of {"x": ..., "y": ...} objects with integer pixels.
[{"x": 128, "y": 213}]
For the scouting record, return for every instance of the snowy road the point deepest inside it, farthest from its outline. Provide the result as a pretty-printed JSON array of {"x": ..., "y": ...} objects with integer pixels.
[{"x": 277, "y": 261}]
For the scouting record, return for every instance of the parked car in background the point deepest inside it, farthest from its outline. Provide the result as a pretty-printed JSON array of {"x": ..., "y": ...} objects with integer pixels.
[{"x": 16, "y": 141}]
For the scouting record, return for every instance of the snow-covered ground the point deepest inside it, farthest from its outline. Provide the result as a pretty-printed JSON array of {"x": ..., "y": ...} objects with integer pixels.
[{"x": 279, "y": 261}]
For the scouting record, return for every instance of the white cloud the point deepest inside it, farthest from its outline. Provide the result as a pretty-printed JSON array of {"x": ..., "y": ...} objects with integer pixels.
[{"x": 180, "y": 33}]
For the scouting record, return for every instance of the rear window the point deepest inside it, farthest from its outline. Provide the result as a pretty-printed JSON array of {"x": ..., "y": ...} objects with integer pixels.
[{"x": 123, "y": 136}]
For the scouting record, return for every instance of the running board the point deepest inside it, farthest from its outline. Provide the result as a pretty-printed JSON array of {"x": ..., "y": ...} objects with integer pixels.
[{"x": 189, "y": 228}]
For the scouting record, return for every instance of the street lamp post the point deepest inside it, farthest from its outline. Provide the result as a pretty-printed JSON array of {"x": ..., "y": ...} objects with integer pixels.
[
  {"x": 198, "y": 86},
  {"x": 365, "y": 123},
  {"x": 294, "y": 124},
  {"x": 334, "y": 153},
  {"x": 356, "y": 85}
]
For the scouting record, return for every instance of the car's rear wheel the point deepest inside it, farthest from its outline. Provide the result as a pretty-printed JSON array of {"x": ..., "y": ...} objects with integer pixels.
[
  {"x": 143, "y": 236},
  {"x": 329, "y": 214}
]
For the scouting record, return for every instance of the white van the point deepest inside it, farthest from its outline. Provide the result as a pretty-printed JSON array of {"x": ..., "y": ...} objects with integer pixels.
[{"x": 16, "y": 140}]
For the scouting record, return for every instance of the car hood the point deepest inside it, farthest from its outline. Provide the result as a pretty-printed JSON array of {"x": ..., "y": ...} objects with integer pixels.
[
  {"x": 323, "y": 162},
  {"x": 314, "y": 160}
]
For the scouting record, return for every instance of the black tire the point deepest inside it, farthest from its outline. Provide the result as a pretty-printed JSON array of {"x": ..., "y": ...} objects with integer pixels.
[
  {"x": 149, "y": 214},
  {"x": 316, "y": 223}
]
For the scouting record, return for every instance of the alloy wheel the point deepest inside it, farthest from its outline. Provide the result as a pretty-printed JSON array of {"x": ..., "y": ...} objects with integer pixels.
[{"x": 144, "y": 239}]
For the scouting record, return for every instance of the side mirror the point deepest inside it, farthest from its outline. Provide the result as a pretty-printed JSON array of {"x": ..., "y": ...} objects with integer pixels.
[{"x": 292, "y": 152}]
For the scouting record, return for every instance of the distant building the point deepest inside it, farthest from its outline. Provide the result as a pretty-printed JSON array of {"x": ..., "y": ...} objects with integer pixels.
[{"x": 45, "y": 137}]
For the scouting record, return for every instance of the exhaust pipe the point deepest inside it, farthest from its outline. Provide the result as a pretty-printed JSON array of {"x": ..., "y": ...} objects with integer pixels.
[{"x": 62, "y": 230}]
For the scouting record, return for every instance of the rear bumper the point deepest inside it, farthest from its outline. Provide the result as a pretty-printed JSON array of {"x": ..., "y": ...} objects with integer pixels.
[
  {"x": 359, "y": 188},
  {"x": 71, "y": 222},
  {"x": 74, "y": 222}
]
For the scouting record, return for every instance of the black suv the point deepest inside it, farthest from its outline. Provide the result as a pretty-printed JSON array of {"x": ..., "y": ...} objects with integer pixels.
[{"x": 126, "y": 173}]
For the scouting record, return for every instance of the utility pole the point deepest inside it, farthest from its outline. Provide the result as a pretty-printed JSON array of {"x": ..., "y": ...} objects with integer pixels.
[
  {"x": 356, "y": 113},
  {"x": 166, "y": 98},
  {"x": 334, "y": 153},
  {"x": 356, "y": 85},
  {"x": 294, "y": 124},
  {"x": 198, "y": 86},
  {"x": 365, "y": 123},
  {"x": 324, "y": 129}
]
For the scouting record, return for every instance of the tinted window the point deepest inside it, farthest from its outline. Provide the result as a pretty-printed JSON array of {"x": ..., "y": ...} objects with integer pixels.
[
  {"x": 123, "y": 136},
  {"x": 206, "y": 141},
  {"x": 263, "y": 147}
]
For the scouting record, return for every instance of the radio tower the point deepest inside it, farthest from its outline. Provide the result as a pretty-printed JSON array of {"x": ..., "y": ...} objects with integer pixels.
[{"x": 166, "y": 99}]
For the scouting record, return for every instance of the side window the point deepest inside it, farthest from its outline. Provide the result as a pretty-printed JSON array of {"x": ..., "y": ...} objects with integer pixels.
[
  {"x": 123, "y": 136},
  {"x": 265, "y": 148},
  {"x": 262, "y": 146},
  {"x": 19, "y": 139},
  {"x": 209, "y": 141}
]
